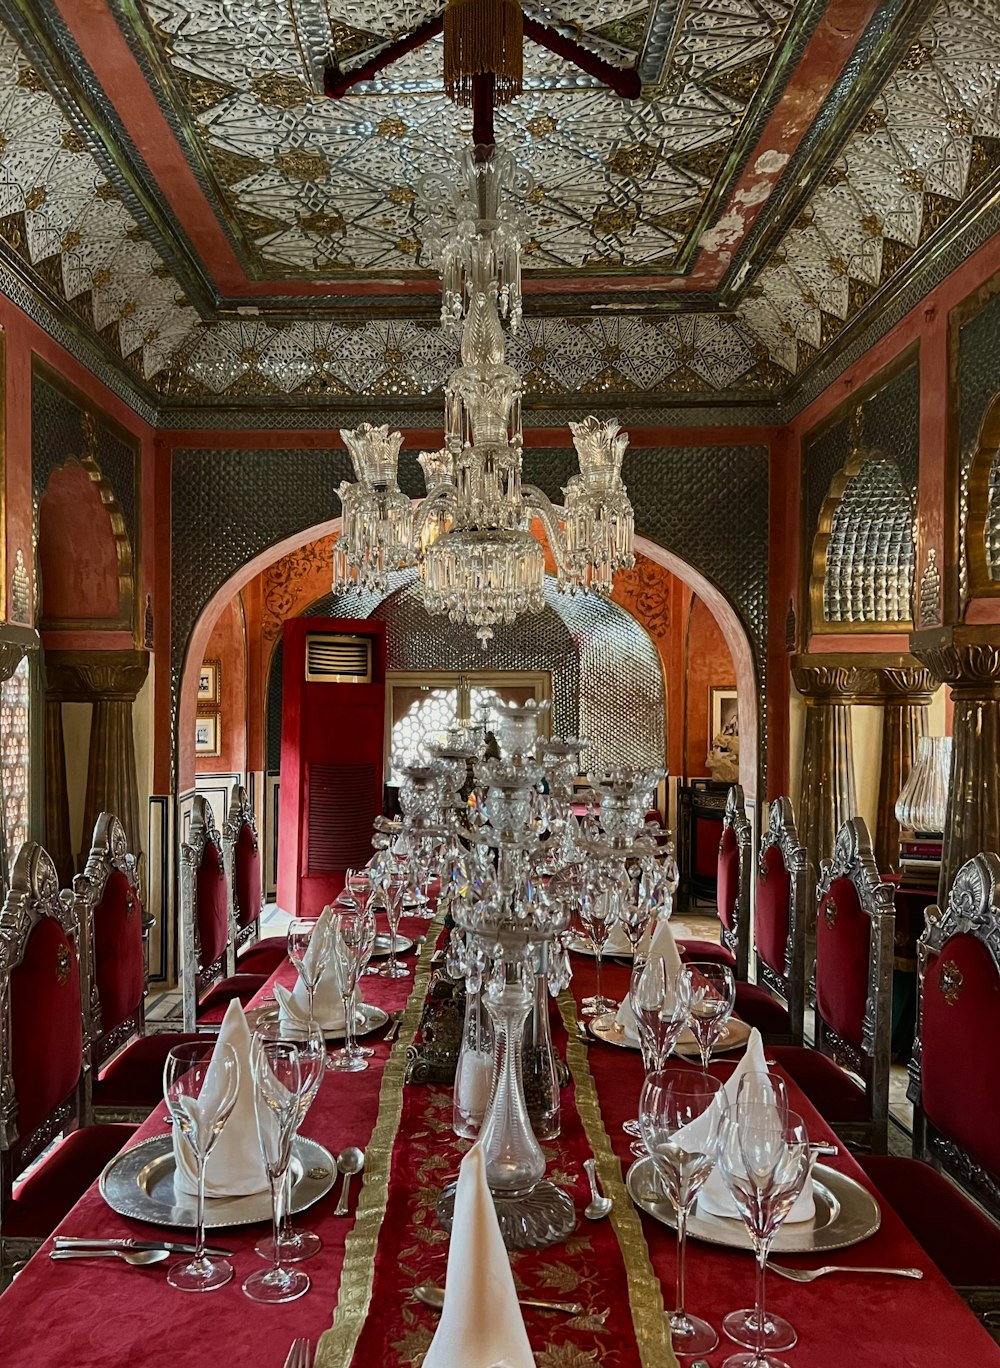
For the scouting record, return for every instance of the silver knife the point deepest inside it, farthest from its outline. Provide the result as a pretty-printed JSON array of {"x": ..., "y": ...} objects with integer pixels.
[{"x": 77, "y": 1242}]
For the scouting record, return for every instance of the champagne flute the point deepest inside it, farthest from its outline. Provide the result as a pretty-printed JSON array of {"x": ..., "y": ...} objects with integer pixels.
[
  {"x": 597, "y": 913},
  {"x": 277, "y": 1082},
  {"x": 765, "y": 1161},
  {"x": 307, "y": 1038},
  {"x": 349, "y": 948},
  {"x": 309, "y": 947},
  {"x": 367, "y": 946},
  {"x": 710, "y": 992},
  {"x": 394, "y": 910},
  {"x": 660, "y": 1016},
  {"x": 679, "y": 1113},
  {"x": 379, "y": 903},
  {"x": 200, "y": 1086}
]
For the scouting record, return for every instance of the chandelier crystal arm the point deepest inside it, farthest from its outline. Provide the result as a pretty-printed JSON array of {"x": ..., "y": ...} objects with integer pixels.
[{"x": 550, "y": 515}]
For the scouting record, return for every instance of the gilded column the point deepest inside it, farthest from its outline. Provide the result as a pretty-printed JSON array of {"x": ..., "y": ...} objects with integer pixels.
[
  {"x": 826, "y": 792},
  {"x": 967, "y": 659},
  {"x": 15, "y": 643},
  {"x": 904, "y": 692},
  {"x": 110, "y": 680},
  {"x": 56, "y": 806}
]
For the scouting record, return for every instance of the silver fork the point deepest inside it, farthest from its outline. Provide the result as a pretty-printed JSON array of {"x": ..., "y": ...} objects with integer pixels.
[
  {"x": 807, "y": 1275},
  {"x": 300, "y": 1355}
]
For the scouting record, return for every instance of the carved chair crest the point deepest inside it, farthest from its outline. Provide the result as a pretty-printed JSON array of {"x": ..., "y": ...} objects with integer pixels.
[
  {"x": 853, "y": 859},
  {"x": 109, "y": 853},
  {"x": 240, "y": 814},
  {"x": 202, "y": 833},
  {"x": 735, "y": 817},
  {"x": 973, "y": 909},
  {"x": 34, "y": 893}
]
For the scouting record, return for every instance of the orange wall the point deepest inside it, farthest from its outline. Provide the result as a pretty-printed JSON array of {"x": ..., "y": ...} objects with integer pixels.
[
  {"x": 709, "y": 665},
  {"x": 227, "y": 645}
]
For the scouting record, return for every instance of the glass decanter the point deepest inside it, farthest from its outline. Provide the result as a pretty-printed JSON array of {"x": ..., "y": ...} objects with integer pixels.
[{"x": 474, "y": 1072}]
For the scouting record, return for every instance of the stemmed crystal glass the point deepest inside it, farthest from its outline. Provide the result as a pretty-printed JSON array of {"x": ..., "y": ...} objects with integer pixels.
[
  {"x": 679, "y": 1114},
  {"x": 370, "y": 931},
  {"x": 309, "y": 947},
  {"x": 307, "y": 1038},
  {"x": 200, "y": 1086},
  {"x": 710, "y": 993},
  {"x": 277, "y": 1083},
  {"x": 393, "y": 893},
  {"x": 377, "y": 903},
  {"x": 660, "y": 1015},
  {"x": 352, "y": 944},
  {"x": 764, "y": 1159},
  {"x": 597, "y": 913}
]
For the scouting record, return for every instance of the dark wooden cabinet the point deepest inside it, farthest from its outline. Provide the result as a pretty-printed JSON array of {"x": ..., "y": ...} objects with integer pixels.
[{"x": 701, "y": 804}]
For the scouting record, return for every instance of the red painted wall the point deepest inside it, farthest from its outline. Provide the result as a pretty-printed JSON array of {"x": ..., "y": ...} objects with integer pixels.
[
  {"x": 77, "y": 554},
  {"x": 709, "y": 665},
  {"x": 227, "y": 645}
]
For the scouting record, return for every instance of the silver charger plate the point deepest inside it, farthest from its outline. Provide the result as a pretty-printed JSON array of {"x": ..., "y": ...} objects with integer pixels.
[
  {"x": 734, "y": 1037},
  {"x": 371, "y": 1019},
  {"x": 140, "y": 1183},
  {"x": 846, "y": 1214},
  {"x": 381, "y": 947},
  {"x": 579, "y": 946}
]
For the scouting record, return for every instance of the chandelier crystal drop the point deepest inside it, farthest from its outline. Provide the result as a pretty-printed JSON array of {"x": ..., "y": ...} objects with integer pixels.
[{"x": 472, "y": 535}]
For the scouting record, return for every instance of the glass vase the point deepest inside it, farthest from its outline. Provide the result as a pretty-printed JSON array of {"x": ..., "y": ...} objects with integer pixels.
[
  {"x": 538, "y": 1062},
  {"x": 474, "y": 1073},
  {"x": 514, "y": 1160},
  {"x": 923, "y": 801}
]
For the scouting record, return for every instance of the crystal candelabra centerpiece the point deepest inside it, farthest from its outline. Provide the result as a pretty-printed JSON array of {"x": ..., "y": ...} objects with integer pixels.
[{"x": 472, "y": 535}]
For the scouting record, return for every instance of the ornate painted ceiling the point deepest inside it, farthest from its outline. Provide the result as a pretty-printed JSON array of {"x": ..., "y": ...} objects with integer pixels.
[{"x": 169, "y": 179}]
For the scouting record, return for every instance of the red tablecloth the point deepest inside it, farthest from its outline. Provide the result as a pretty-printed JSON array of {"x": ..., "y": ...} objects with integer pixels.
[{"x": 106, "y": 1315}]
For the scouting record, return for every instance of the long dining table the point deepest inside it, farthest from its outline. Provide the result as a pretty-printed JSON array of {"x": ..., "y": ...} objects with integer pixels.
[{"x": 104, "y": 1314}]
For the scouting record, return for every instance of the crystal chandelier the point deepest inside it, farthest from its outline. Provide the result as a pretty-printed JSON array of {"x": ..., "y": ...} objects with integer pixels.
[{"x": 471, "y": 535}]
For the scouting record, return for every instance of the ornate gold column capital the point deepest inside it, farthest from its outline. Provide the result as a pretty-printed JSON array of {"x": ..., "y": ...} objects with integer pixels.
[
  {"x": 873, "y": 678},
  {"x": 965, "y": 657},
  {"x": 15, "y": 643},
  {"x": 90, "y": 676}
]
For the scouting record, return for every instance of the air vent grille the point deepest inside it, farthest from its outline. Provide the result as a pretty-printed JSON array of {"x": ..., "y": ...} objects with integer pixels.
[
  {"x": 340, "y": 815},
  {"x": 334, "y": 659}
]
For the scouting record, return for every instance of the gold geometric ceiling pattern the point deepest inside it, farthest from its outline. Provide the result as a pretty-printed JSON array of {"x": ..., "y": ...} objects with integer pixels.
[
  {"x": 931, "y": 138},
  {"x": 928, "y": 142},
  {"x": 321, "y": 187}
]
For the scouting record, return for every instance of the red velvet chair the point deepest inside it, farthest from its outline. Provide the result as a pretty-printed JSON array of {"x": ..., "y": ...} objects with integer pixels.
[
  {"x": 846, "y": 1075},
  {"x": 955, "y": 1089},
  {"x": 209, "y": 980},
  {"x": 125, "y": 1081},
  {"x": 42, "y": 1062},
  {"x": 733, "y": 891},
  {"x": 242, "y": 852}
]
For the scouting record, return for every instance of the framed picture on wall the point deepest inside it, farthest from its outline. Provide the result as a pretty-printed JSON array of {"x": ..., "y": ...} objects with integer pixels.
[
  {"x": 723, "y": 712},
  {"x": 207, "y": 735},
  {"x": 208, "y": 683}
]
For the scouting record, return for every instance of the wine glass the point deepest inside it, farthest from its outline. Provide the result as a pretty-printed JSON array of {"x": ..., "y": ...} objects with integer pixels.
[
  {"x": 309, "y": 947},
  {"x": 710, "y": 993},
  {"x": 394, "y": 910},
  {"x": 376, "y": 903},
  {"x": 660, "y": 1015},
  {"x": 679, "y": 1114},
  {"x": 200, "y": 1086},
  {"x": 351, "y": 943},
  {"x": 277, "y": 1083},
  {"x": 597, "y": 913},
  {"x": 764, "y": 1159},
  {"x": 367, "y": 946},
  {"x": 307, "y": 1038}
]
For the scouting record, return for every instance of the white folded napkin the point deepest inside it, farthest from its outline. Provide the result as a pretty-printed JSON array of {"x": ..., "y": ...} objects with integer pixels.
[
  {"x": 619, "y": 944},
  {"x": 481, "y": 1325},
  {"x": 662, "y": 947},
  {"x": 328, "y": 1007},
  {"x": 714, "y": 1198},
  {"x": 235, "y": 1167}
]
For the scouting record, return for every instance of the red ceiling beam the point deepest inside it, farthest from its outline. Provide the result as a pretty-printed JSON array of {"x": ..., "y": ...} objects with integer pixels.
[{"x": 337, "y": 84}]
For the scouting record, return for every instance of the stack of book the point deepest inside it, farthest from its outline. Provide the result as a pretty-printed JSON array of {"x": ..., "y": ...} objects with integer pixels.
[{"x": 920, "y": 859}]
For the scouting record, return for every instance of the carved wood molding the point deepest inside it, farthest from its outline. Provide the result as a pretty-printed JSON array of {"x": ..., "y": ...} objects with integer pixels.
[
  {"x": 966, "y": 658},
  {"x": 864, "y": 678},
  {"x": 87, "y": 676}
]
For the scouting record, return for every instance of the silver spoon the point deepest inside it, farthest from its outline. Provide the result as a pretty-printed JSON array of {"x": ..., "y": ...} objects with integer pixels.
[
  {"x": 138, "y": 1258},
  {"x": 349, "y": 1161},
  {"x": 598, "y": 1207},
  {"x": 431, "y": 1295}
]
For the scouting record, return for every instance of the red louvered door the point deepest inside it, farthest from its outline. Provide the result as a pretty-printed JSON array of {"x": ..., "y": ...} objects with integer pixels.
[{"x": 332, "y": 737}]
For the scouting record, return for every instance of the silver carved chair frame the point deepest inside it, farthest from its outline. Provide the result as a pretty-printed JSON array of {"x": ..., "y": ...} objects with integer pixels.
[
  {"x": 737, "y": 940},
  {"x": 108, "y": 853},
  {"x": 34, "y": 894},
  {"x": 853, "y": 859},
  {"x": 240, "y": 814},
  {"x": 790, "y": 985},
  {"x": 199, "y": 977},
  {"x": 973, "y": 909}
]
